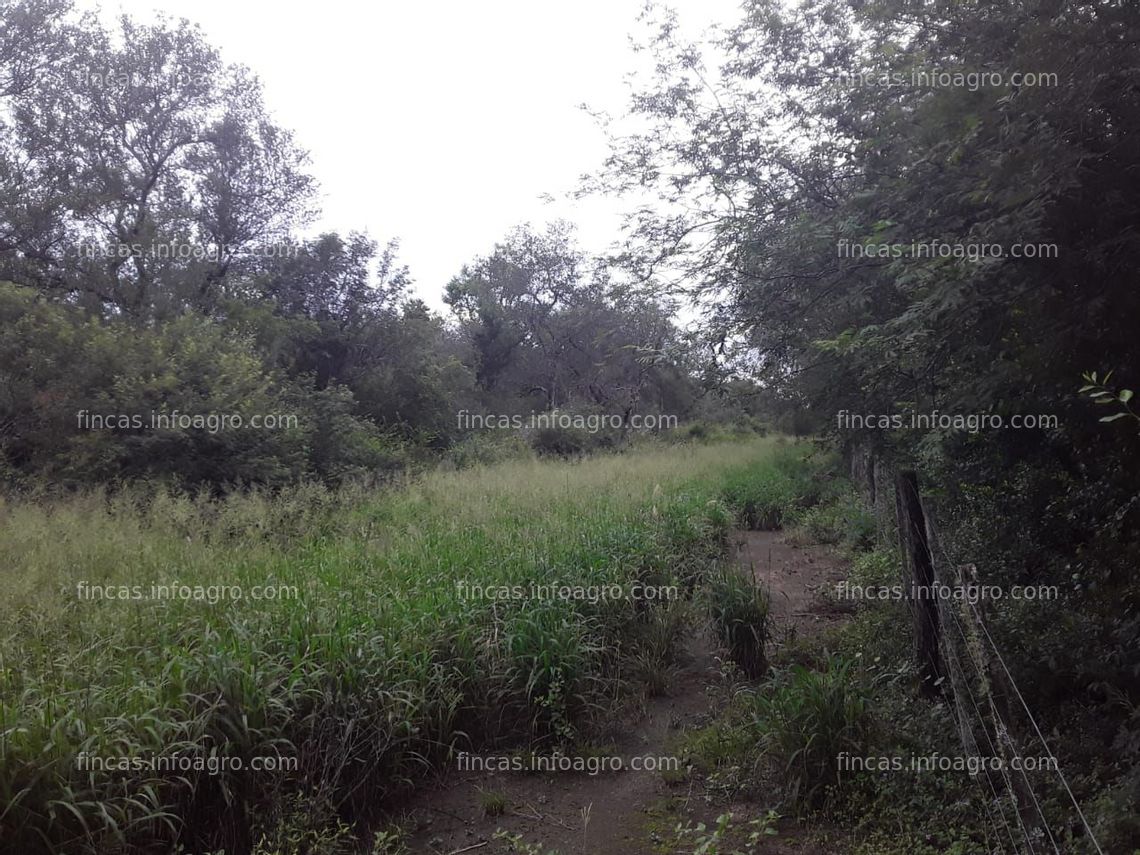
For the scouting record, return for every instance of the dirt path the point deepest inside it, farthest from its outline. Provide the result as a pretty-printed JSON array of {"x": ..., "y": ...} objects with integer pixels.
[
  {"x": 628, "y": 812},
  {"x": 796, "y": 578},
  {"x": 570, "y": 812}
]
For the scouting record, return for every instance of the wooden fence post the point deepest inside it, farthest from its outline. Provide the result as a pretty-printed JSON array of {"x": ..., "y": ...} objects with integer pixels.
[{"x": 918, "y": 567}]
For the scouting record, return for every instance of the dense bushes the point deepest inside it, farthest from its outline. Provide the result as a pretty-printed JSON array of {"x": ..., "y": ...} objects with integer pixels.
[{"x": 186, "y": 401}]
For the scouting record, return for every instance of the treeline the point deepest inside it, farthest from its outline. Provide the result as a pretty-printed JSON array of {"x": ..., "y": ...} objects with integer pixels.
[
  {"x": 830, "y": 184},
  {"x": 154, "y": 267}
]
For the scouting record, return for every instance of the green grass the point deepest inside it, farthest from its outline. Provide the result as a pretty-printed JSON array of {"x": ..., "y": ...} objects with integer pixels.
[
  {"x": 767, "y": 503},
  {"x": 493, "y": 802},
  {"x": 739, "y": 613},
  {"x": 377, "y": 672},
  {"x": 806, "y": 719},
  {"x": 842, "y": 520}
]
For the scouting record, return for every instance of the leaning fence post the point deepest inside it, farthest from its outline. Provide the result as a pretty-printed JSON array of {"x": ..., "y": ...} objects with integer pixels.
[{"x": 919, "y": 571}]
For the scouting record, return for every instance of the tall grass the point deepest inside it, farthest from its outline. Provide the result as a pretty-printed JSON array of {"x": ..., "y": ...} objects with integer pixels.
[
  {"x": 807, "y": 719},
  {"x": 376, "y": 672},
  {"x": 739, "y": 611},
  {"x": 789, "y": 485}
]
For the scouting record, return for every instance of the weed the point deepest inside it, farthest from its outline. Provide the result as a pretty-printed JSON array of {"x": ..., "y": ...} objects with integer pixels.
[
  {"x": 718, "y": 840},
  {"x": 389, "y": 841},
  {"x": 379, "y": 667},
  {"x": 806, "y": 719},
  {"x": 842, "y": 520},
  {"x": 739, "y": 610},
  {"x": 515, "y": 843},
  {"x": 493, "y": 802}
]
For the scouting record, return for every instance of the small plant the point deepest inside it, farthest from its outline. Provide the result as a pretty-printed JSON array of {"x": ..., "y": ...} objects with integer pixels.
[
  {"x": 304, "y": 827},
  {"x": 1102, "y": 393},
  {"x": 653, "y": 642},
  {"x": 493, "y": 802},
  {"x": 675, "y": 776},
  {"x": 515, "y": 843},
  {"x": 739, "y": 610},
  {"x": 716, "y": 840},
  {"x": 390, "y": 841}
]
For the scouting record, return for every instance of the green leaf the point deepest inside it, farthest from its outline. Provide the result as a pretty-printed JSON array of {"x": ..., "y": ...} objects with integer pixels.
[
  {"x": 1113, "y": 417},
  {"x": 1125, "y": 395}
]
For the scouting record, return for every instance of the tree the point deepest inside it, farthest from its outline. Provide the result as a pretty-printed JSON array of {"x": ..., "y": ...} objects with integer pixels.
[
  {"x": 139, "y": 168},
  {"x": 548, "y": 326}
]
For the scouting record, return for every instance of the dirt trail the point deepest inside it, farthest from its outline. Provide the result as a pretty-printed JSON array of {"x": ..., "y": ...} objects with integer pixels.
[
  {"x": 796, "y": 577},
  {"x": 622, "y": 813}
]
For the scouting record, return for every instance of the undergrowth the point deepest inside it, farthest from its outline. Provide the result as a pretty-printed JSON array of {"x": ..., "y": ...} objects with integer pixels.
[{"x": 377, "y": 672}]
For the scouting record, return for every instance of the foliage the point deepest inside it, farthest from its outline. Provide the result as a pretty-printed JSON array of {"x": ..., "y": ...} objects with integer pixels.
[
  {"x": 516, "y": 843},
  {"x": 548, "y": 325},
  {"x": 716, "y": 840},
  {"x": 764, "y": 502},
  {"x": 154, "y": 258},
  {"x": 844, "y": 520},
  {"x": 179, "y": 401},
  {"x": 1101, "y": 393},
  {"x": 301, "y": 827},
  {"x": 857, "y": 228}
]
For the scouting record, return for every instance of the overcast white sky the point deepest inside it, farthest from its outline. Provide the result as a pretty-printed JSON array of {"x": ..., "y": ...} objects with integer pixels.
[{"x": 439, "y": 123}]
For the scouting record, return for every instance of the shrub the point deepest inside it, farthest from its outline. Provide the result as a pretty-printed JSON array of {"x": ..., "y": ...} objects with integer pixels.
[
  {"x": 486, "y": 449},
  {"x": 559, "y": 442}
]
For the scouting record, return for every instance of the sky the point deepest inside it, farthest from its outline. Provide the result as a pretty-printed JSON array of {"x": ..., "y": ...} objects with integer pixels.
[{"x": 441, "y": 124}]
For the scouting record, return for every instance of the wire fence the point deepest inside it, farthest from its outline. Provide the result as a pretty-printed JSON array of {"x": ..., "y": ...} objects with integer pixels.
[{"x": 960, "y": 662}]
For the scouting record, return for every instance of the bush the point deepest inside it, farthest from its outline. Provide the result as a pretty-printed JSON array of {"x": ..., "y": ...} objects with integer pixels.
[
  {"x": 573, "y": 432},
  {"x": 175, "y": 401},
  {"x": 559, "y": 442},
  {"x": 486, "y": 449},
  {"x": 698, "y": 431}
]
